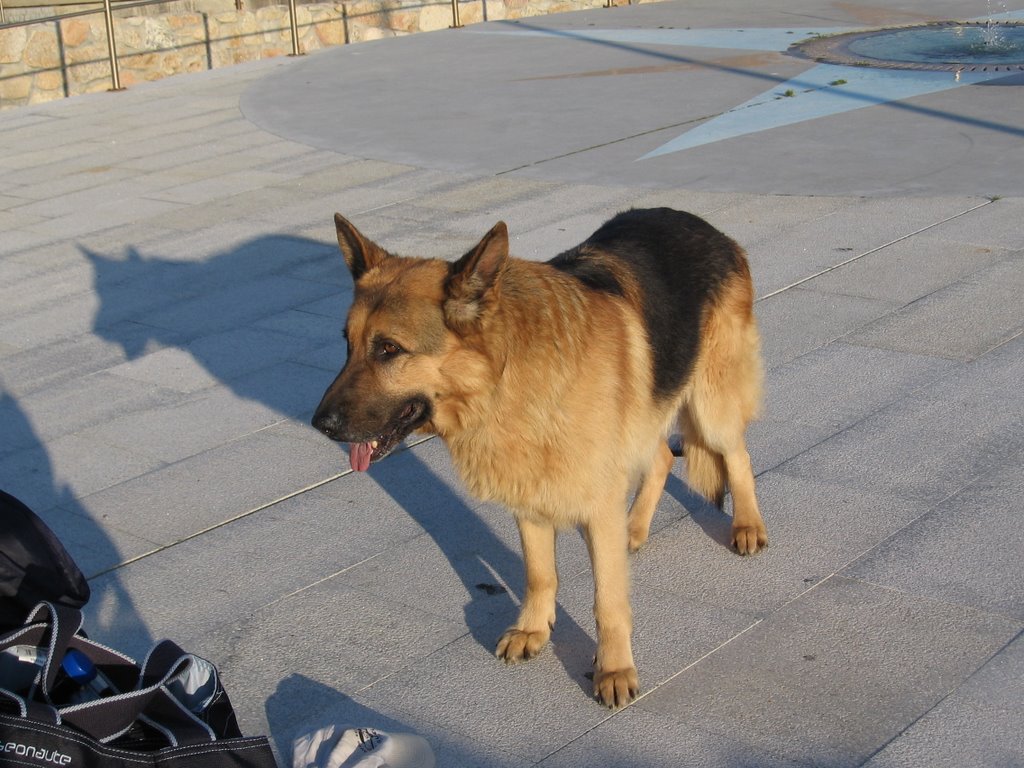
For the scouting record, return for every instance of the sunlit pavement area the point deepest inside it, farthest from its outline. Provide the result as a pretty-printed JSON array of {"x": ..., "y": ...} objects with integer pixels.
[{"x": 171, "y": 305}]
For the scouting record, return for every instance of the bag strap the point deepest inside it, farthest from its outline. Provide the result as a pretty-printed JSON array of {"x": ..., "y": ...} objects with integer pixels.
[
  {"x": 141, "y": 693},
  {"x": 53, "y": 639},
  {"x": 64, "y": 624},
  {"x": 111, "y": 716}
]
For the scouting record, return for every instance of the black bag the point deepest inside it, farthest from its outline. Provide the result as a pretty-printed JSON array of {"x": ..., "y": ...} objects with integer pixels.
[
  {"x": 67, "y": 701},
  {"x": 33, "y": 566}
]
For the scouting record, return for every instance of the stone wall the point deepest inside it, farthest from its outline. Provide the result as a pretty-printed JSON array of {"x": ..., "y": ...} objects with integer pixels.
[{"x": 51, "y": 60}]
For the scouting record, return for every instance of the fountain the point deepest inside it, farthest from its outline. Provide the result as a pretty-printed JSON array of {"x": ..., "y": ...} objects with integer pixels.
[{"x": 953, "y": 46}]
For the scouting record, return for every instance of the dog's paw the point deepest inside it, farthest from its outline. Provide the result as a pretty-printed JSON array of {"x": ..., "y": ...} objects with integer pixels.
[
  {"x": 636, "y": 540},
  {"x": 519, "y": 645},
  {"x": 749, "y": 539},
  {"x": 617, "y": 687}
]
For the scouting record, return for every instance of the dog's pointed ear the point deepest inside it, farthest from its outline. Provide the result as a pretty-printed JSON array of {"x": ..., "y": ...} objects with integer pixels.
[
  {"x": 361, "y": 254},
  {"x": 473, "y": 276}
]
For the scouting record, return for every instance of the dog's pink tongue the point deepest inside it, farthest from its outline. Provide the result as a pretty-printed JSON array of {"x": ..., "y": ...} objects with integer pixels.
[{"x": 359, "y": 456}]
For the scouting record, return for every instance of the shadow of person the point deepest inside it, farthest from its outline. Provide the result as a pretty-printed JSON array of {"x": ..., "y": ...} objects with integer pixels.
[{"x": 26, "y": 472}]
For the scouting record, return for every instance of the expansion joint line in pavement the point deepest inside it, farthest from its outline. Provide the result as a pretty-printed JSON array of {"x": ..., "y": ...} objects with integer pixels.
[
  {"x": 214, "y": 527},
  {"x": 876, "y": 249},
  {"x": 241, "y": 516},
  {"x": 948, "y": 693},
  {"x": 608, "y": 143}
]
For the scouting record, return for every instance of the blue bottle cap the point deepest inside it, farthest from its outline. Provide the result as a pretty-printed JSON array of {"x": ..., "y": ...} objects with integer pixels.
[{"x": 78, "y": 667}]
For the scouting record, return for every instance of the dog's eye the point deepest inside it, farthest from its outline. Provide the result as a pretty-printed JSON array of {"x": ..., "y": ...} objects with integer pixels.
[{"x": 387, "y": 349}]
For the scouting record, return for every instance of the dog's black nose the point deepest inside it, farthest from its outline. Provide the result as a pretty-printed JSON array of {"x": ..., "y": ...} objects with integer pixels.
[{"x": 327, "y": 423}]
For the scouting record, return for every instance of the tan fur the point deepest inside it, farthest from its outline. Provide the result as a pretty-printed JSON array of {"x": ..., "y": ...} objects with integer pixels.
[{"x": 542, "y": 389}]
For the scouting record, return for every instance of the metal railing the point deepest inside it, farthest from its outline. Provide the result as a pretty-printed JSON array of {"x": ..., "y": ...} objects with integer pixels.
[{"x": 108, "y": 16}]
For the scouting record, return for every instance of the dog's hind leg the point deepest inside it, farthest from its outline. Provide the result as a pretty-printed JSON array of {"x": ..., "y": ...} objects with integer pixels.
[
  {"x": 646, "y": 500},
  {"x": 726, "y": 396},
  {"x": 722, "y": 454},
  {"x": 748, "y": 530},
  {"x": 524, "y": 639}
]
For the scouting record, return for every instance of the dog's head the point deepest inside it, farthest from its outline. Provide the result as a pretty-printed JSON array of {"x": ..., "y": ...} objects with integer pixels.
[{"x": 417, "y": 343}]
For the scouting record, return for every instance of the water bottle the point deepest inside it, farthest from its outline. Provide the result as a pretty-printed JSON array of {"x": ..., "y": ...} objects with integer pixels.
[
  {"x": 77, "y": 681},
  {"x": 80, "y": 681}
]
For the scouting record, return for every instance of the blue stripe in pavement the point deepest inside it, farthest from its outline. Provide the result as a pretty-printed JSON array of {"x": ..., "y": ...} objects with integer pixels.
[{"x": 814, "y": 96}]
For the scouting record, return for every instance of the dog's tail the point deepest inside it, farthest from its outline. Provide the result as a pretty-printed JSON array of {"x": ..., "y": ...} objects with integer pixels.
[{"x": 705, "y": 469}]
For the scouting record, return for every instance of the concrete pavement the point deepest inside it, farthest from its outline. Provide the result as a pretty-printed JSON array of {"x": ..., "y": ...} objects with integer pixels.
[{"x": 171, "y": 301}]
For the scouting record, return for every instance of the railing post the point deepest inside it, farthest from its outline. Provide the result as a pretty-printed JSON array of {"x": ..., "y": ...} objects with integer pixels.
[
  {"x": 295, "y": 28},
  {"x": 108, "y": 17},
  {"x": 455, "y": 14}
]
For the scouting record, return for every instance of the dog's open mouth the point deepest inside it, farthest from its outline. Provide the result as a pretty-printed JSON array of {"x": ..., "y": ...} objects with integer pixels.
[{"x": 411, "y": 415}]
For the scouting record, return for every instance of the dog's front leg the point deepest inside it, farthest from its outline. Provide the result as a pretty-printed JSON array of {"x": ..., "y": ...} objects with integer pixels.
[
  {"x": 532, "y": 629},
  {"x": 615, "y": 679}
]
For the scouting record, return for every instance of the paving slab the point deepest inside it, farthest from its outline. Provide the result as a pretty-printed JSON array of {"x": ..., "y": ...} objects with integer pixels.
[
  {"x": 828, "y": 678},
  {"x": 320, "y": 536},
  {"x": 936, "y": 440},
  {"x": 809, "y": 541},
  {"x": 805, "y": 390},
  {"x": 990, "y": 302},
  {"x": 277, "y": 463},
  {"x": 909, "y": 269},
  {"x": 978, "y": 722},
  {"x": 800, "y": 320},
  {"x": 171, "y": 306},
  {"x": 657, "y": 742},
  {"x": 976, "y": 523},
  {"x": 84, "y": 402}
]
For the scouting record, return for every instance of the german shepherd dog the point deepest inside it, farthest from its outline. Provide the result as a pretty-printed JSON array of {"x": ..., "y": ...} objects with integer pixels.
[{"x": 555, "y": 385}]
